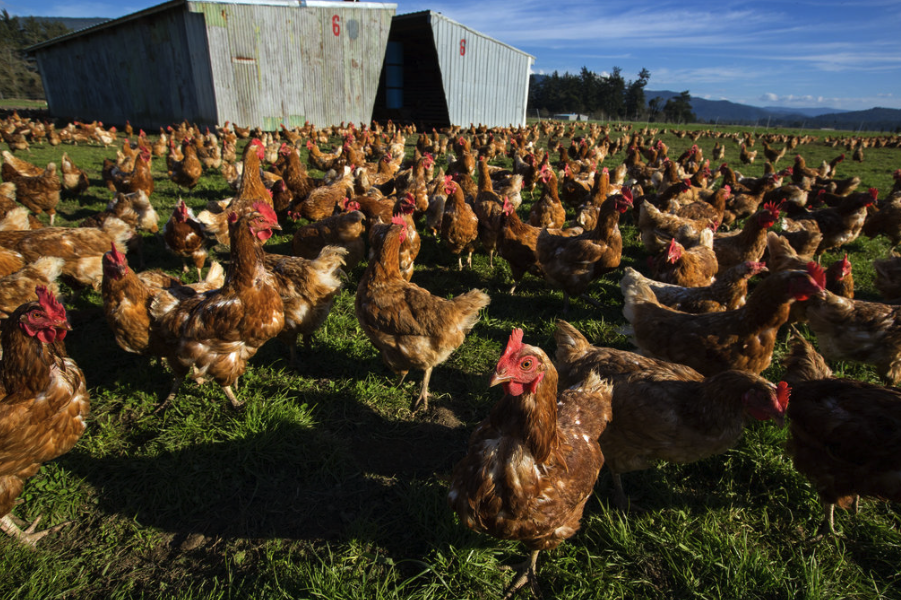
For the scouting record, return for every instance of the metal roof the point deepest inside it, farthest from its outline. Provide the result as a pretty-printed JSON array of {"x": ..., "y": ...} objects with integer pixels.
[
  {"x": 428, "y": 14},
  {"x": 176, "y": 3}
]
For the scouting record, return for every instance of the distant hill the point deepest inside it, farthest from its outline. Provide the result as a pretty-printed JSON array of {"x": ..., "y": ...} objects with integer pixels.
[{"x": 723, "y": 111}]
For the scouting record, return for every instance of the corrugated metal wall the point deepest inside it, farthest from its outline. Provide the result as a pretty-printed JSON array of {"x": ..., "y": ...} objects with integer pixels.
[
  {"x": 290, "y": 64},
  {"x": 147, "y": 70},
  {"x": 484, "y": 81}
]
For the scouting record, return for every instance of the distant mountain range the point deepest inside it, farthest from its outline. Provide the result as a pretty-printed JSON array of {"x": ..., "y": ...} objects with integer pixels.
[{"x": 723, "y": 111}]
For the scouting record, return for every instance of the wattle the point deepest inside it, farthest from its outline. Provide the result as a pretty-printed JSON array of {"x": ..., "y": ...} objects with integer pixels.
[{"x": 513, "y": 388}]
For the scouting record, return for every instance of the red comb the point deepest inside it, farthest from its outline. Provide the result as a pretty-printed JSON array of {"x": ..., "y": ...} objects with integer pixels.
[
  {"x": 627, "y": 194},
  {"x": 265, "y": 210},
  {"x": 874, "y": 192},
  {"x": 782, "y": 394},
  {"x": 398, "y": 220},
  {"x": 817, "y": 273},
  {"x": 514, "y": 344},
  {"x": 49, "y": 303},
  {"x": 118, "y": 257},
  {"x": 771, "y": 208}
]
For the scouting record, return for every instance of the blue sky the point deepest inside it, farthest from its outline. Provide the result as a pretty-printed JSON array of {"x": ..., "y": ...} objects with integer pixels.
[{"x": 804, "y": 53}]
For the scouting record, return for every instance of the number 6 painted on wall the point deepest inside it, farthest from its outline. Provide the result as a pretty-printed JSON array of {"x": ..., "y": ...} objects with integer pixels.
[
  {"x": 336, "y": 25},
  {"x": 463, "y": 47}
]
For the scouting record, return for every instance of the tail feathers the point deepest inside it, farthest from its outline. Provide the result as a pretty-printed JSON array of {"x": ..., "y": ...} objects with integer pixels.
[
  {"x": 635, "y": 292},
  {"x": 119, "y": 230},
  {"x": 804, "y": 363},
  {"x": 330, "y": 259},
  {"x": 49, "y": 267},
  {"x": 16, "y": 220},
  {"x": 570, "y": 342},
  {"x": 468, "y": 305},
  {"x": 215, "y": 277}
]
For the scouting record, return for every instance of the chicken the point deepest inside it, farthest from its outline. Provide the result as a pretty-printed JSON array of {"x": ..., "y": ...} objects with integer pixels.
[
  {"x": 82, "y": 248},
  {"x": 75, "y": 180},
  {"x": 572, "y": 263},
  {"x": 38, "y": 193},
  {"x": 460, "y": 225},
  {"x": 324, "y": 201},
  {"x": 45, "y": 401},
  {"x": 747, "y": 156},
  {"x": 888, "y": 278},
  {"x": 345, "y": 229},
  {"x": 488, "y": 207},
  {"x": 295, "y": 174},
  {"x": 694, "y": 267},
  {"x": 843, "y": 434},
  {"x": 187, "y": 171},
  {"x": 840, "y": 225},
  {"x": 308, "y": 289},
  {"x": 728, "y": 292},
  {"x": 548, "y": 211},
  {"x": 747, "y": 244},
  {"x": 658, "y": 228},
  {"x": 409, "y": 326},
  {"x": 715, "y": 342},
  {"x": 517, "y": 244},
  {"x": 184, "y": 236},
  {"x": 859, "y": 331},
  {"x": 885, "y": 220},
  {"x": 18, "y": 288},
  {"x": 127, "y": 298},
  {"x": 665, "y": 411},
  {"x": 138, "y": 179},
  {"x": 533, "y": 462},
  {"x": 215, "y": 334}
]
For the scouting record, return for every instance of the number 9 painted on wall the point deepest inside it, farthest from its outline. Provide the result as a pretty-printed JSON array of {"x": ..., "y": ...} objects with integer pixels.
[
  {"x": 463, "y": 47},
  {"x": 336, "y": 25}
]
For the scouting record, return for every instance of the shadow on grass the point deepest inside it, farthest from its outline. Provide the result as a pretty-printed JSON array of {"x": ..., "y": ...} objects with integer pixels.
[{"x": 295, "y": 482}]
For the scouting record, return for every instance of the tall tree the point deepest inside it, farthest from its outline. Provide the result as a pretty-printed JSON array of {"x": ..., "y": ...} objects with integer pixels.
[{"x": 635, "y": 105}]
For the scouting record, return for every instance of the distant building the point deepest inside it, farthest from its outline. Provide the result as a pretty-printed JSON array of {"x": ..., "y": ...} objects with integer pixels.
[
  {"x": 264, "y": 63},
  {"x": 439, "y": 72},
  {"x": 252, "y": 62},
  {"x": 570, "y": 117}
]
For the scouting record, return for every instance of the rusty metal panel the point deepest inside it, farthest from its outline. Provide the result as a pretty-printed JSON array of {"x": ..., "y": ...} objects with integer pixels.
[
  {"x": 485, "y": 81},
  {"x": 284, "y": 63}
]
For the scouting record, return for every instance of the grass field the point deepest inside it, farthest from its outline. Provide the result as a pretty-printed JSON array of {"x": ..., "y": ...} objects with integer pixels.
[
  {"x": 327, "y": 487},
  {"x": 7, "y": 103}
]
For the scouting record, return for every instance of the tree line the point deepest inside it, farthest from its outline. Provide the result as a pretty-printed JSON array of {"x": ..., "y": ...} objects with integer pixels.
[
  {"x": 605, "y": 97},
  {"x": 19, "y": 76}
]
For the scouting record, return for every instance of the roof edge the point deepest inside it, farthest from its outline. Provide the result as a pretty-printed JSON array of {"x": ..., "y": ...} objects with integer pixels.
[
  {"x": 177, "y": 3},
  {"x": 430, "y": 14}
]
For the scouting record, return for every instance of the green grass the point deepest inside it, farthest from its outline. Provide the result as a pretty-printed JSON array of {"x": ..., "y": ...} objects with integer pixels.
[
  {"x": 22, "y": 103},
  {"x": 326, "y": 487}
]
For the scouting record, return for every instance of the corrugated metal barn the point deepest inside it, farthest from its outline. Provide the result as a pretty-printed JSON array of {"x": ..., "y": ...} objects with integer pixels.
[
  {"x": 254, "y": 63},
  {"x": 439, "y": 72}
]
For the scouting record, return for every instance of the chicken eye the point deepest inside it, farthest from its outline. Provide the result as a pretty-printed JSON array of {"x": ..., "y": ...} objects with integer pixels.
[{"x": 526, "y": 364}]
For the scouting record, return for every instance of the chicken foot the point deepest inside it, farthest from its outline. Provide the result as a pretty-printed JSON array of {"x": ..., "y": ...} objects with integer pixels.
[
  {"x": 828, "y": 524},
  {"x": 526, "y": 572},
  {"x": 27, "y": 536},
  {"x": 176, "y": 384},
  {"x": 230, "y": 394},
  {"x": 423, "y": 392}
]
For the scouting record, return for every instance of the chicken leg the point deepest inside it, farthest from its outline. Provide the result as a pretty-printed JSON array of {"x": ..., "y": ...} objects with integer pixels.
[
  {"x": 28, "y": 536},
  {"x": 230, "y": 394},
  {"x": 423, "y": 392},
  {"x": 526, "y": 572}
]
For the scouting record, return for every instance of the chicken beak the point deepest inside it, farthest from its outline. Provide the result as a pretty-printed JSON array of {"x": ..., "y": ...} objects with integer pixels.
[{"x": 497, "y": 378}]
